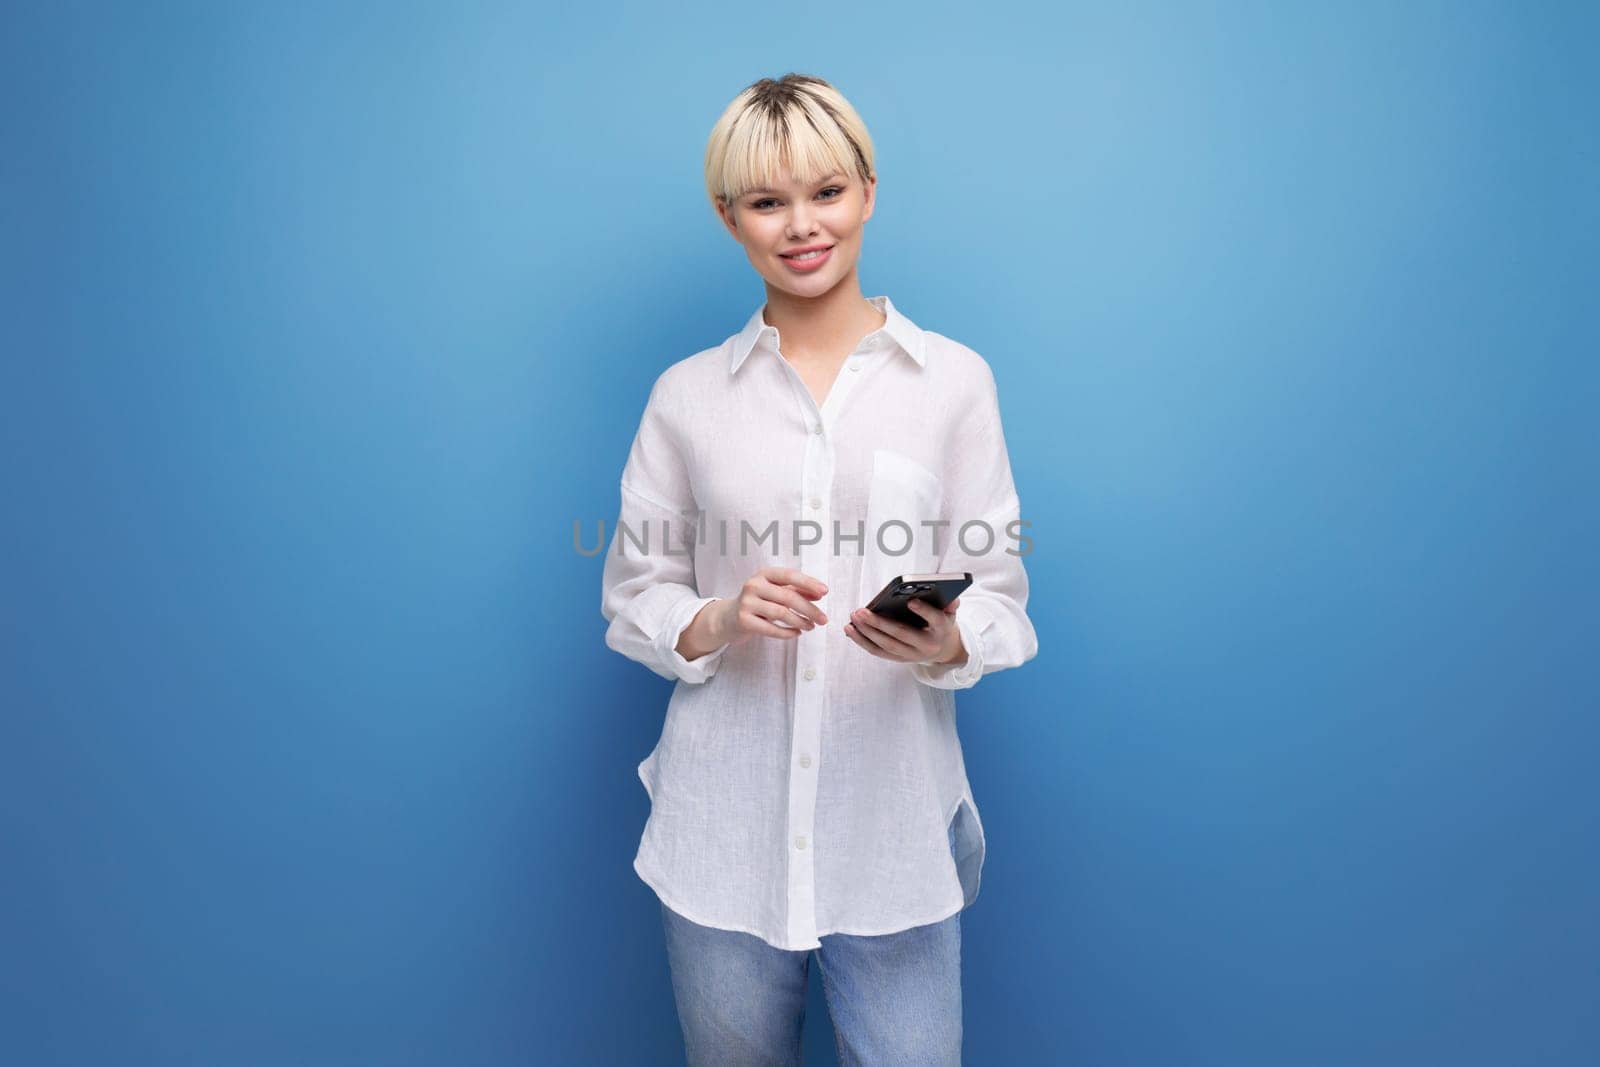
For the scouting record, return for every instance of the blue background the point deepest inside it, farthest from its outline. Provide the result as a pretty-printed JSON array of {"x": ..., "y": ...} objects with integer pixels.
[{"x": 322, "y": 327}]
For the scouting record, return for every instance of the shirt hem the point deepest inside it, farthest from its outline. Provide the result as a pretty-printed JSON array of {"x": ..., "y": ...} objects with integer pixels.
[
  {"x": 670, "y": 900},
  {"x": 901, "y": 929}
]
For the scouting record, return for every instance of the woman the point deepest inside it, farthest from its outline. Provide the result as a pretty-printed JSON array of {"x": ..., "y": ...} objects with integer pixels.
[{"x": 808, "y": 792}]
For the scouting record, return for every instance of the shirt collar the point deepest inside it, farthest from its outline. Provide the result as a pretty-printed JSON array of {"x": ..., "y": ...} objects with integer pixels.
[{"x": 901, "y": 330}]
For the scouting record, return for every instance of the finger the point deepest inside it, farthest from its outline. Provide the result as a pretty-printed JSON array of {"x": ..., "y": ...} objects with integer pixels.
[
  {"x": 893, "y": 648},
  {"x": 800, "y": 580},
  {"x": 935, "y": 619},
  {"x": 855, "y": 635},
  {"x": 950, "y": 608},
  {"x": 779, "y": 602},
  {"x": 871, "y": 629},
  {"x": 778, "y": 611},
  {"x": 911, "y": 636},
  {"x": 762, "y": 628},
  {"x": 801, "y": 606}
]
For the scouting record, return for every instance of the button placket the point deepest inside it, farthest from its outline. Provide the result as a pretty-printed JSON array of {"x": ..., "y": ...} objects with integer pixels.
[
  {"x": 817, "y": 479},
  {"x": 816, "y": 493}
]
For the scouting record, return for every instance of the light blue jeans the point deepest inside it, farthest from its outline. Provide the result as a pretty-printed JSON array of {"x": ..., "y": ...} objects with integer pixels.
[{"x": 894, "y": 998}]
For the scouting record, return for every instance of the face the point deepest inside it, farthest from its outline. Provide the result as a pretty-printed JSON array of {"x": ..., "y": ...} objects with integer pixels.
[{"x": 771, "y": 223}]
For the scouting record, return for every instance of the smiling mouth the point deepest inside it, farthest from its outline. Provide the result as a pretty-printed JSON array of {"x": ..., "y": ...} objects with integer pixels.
[{"x": 807, "y": 255}]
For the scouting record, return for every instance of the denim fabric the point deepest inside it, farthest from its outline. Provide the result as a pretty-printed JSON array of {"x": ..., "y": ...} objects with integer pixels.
[{"x": 894, "y": 998}]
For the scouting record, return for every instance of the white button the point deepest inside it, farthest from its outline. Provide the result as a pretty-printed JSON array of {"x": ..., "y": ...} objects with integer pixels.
[
  {"x": 800, "y": 841},
  {"x": 811, "y": 672},
  {"x": 805, "y": 761},
  {"x": 817, "y": 428},
  {"x": 855, "y": 364},
  {"x": 816, "y": 502}
]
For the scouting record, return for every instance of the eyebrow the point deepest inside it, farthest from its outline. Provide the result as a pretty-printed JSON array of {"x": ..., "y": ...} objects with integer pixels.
[{"x": 839, "y": 174}]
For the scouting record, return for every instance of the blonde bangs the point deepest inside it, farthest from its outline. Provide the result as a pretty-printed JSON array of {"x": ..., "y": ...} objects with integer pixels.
[{"x": 796, "y": 127}]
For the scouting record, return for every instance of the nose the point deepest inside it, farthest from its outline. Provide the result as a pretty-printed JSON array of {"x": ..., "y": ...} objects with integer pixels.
[{"x": 801, "y": 223}]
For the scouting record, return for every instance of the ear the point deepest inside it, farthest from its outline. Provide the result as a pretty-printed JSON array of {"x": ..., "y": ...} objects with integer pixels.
[
  {"x": 870, "y": 191},
  {"x": 728, "y": 220}
]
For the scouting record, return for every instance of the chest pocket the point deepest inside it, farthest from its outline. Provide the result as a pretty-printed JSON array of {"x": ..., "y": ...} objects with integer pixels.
[{"x": 902, "y": 494}]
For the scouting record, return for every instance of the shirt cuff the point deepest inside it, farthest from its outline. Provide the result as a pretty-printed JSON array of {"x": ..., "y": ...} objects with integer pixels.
[
  {"x": 693, "y": 671},
  {"x": 970, "y": 622}
]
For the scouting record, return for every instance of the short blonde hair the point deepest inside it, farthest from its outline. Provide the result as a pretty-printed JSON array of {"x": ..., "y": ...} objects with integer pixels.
[{"x": 796, "y": 126}]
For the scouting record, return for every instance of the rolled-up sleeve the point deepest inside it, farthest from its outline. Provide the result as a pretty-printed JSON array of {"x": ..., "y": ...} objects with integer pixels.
[
  {"x": 992, "y": 616},
  {"x": 649, "y": 596}
]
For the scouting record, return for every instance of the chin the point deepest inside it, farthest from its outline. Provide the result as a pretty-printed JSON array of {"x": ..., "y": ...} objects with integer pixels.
[{"x": 815, "y": 286}]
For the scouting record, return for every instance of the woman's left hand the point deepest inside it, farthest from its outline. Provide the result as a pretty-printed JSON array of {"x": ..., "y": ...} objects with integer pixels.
[{"x": 939, "y": 642}]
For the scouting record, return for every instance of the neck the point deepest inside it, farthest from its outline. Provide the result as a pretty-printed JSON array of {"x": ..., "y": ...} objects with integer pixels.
[{"x": 811, "y": 326}]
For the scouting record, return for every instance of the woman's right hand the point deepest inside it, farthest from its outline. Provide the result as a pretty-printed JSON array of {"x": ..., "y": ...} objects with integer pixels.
[{"x": 773, "y": 602}]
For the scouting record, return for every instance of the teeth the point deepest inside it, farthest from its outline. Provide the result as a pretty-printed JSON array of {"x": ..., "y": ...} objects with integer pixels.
[{"x": 808, "y": 255}]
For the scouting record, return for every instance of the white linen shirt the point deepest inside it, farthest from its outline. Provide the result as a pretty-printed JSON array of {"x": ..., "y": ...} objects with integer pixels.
[{"x": 804, "y": 786}]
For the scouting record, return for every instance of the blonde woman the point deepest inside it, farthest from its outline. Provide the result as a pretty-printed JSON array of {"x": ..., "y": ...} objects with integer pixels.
[{"x": 808, "y": 793}]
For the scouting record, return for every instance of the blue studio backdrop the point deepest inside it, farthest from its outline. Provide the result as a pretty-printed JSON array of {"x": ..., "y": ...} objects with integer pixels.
[{"x": 323, "y": 324}]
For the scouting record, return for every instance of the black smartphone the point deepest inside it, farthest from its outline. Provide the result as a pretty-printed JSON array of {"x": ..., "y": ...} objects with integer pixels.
[{"x": 937, "y": 590}]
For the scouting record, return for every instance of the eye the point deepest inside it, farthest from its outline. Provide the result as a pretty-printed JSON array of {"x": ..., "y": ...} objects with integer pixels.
[{"x": 761, "y": 205}]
